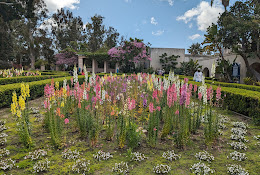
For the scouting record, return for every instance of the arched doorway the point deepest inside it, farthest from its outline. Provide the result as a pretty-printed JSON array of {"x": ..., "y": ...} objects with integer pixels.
[{"x": 206, "y": 72}]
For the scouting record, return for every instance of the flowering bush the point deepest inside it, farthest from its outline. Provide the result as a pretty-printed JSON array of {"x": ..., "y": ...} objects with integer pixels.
[
  {"x": 201, "y": 168},
  {"x": 238, "y": 145},
  {"x": 170, "y": 155},
  {"x": 128, "y": 53},
  {"x": 257, "y": 137},
  {"x": 241, "y": 125},
  {"x": 37, "y": 154},
  {"x": 41, "y": 166},
  {"x": 236, "y": 170},
  {"x": 102, "y": 155},
  {"x": 2, "y": 125},
  {"x": 68, "y": 154},
  {"x": 204, "y": 155},
  {"x": 4, "y": 152},
  {"x": 7, "y": 164},
  {"x": 136, "y": 156},
  {"x": 81, "y": 166},
  {"x": 121, "y": 168},
  {"x": 3, "y": 138},
  {"x": 237, "y": 156},
  {"x": 161, "y": 169},
  {"x": 7, "y": 73}
]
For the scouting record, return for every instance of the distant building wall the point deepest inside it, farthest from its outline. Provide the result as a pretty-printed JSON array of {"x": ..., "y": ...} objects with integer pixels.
[
  {"x": 157, "y": 52},
  {"x": 204, "y": 60}
]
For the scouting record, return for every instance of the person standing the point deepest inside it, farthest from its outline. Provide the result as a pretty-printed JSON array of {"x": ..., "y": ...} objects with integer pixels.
[{"x": 198, "y": 76}]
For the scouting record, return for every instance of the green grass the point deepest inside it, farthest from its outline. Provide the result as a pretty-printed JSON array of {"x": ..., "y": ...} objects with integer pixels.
[{"x": 58, "y": 165}]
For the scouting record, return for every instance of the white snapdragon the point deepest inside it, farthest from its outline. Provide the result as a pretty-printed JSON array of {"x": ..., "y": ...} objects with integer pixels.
[{"x": 75, "y": 75}]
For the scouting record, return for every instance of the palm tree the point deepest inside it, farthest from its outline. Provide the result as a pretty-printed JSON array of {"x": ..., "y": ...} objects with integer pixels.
[{"x": 225, "y": 3}]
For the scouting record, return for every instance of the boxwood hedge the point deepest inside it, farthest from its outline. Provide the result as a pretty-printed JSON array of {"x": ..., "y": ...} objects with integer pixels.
[{"x": 20, "y": 79}]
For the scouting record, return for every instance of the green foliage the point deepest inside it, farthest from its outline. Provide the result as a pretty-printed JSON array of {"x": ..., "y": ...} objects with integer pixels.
[
  {"x": 224, "y": 68},
  {"x": 168, "y": 62},
  {"x": 248, "y": 81},
  {"x": 21, "y": 79},
  {"x": 153, "y": 128},
  {"x": 133, "y": 138},
  {"x": 195, "y": 49},
  {"x": 189, "y": 68},
  {"x": 103, "y": 56}
]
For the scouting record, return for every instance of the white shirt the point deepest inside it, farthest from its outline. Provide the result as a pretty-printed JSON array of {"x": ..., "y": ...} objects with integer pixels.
[{"x": 198, "y": 76}]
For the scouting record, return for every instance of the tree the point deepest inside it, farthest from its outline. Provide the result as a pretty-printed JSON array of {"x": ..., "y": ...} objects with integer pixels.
[
  {"x": 244, "y": 40},
  {"x": 195, "y": 49},
  {"x": 66, "y": 29},
  {"x": 130, "y": 53},
  {"x": 189, "y": 68},
  {"x": 96, "y": 33},
  {"x": 67, "y": 57},
  {"x": 168, "y": 62},
  {"x": 225, "y": 3},
  {"x": 9, "y": 11},
  {"x": 213, "y": 43},
  {"x": 111, "y": 38},
  {"x": 98, "y": 36}
]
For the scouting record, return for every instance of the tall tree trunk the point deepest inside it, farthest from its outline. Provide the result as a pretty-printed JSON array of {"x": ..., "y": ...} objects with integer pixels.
[
  {"x": 31, "y": 47},
  {"x": 252, "y": 72}
]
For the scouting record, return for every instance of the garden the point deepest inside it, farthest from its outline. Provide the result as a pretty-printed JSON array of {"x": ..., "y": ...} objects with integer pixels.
[{"x": 128, "y": 124}]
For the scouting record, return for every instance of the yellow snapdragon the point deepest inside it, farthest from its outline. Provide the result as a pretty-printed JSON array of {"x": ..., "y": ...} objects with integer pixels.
[
  {"x": 19, "y": 113},
  {"x": 22, "y": 103},
  {"x": 23, "y": 91},
  {"x": 27, "y": 90}
]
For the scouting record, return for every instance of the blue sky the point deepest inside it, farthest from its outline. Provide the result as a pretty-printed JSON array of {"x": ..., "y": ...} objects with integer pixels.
[{"x": 163, "y": 23}]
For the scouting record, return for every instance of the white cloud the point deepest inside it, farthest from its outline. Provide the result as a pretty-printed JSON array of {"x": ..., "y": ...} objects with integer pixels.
[
  {"x": 190, "y": 25},
  {"x": 203, "y": 14},
  {"x": 53, "y": 5},
  {"x": 158, "y": 33},
  {"x": 169, "y": 1},
  {"x": 153, "y": 21},
  {"x": 193, "y": 37}
]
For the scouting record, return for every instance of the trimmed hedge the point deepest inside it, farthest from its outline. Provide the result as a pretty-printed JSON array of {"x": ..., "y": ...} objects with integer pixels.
[
  {"x": 242, "y": 101},
  {"x": 21, "y": 79},
  {"x": 223, "y": 84}
]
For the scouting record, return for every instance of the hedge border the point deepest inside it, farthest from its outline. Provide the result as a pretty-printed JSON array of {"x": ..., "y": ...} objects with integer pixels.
[{"x": 12, "y": 80}]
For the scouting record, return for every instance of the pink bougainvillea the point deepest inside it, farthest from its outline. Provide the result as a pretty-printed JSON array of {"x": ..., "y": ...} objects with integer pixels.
[
  {"x": 132, "y": 51},
  {"x": 69, "y": 58}
]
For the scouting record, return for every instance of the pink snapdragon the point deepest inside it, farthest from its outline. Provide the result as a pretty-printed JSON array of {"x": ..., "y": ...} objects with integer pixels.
[
  {"x": 66, "y": 121},
  {"x": 151, "y": 107},
  {"x": 218, "y": 95},
  {"x": 131, "y": 104},
  {"x": 183, "y": 94}
]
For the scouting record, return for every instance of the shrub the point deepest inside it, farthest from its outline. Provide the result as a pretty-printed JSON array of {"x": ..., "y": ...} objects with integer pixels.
[
  {"x": 248, "y": 81},
  {"x": 21, "y": 79}
]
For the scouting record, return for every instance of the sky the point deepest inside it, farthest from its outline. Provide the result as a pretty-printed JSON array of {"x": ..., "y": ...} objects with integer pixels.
[{"x": 163, "y": 23}]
